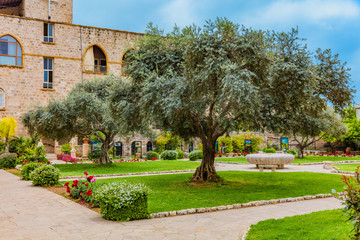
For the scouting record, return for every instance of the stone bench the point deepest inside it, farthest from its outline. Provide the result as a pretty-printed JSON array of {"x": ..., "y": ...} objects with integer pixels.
[{"x": 273, "y": 167}]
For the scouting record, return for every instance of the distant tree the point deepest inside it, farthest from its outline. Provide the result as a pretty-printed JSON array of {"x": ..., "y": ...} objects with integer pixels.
[
  {"x": 7, "y": 130},
  {"x": 85, "y": 111},
  {"x": 352, "y": 136},
  {"x": 204, "y": 82}
]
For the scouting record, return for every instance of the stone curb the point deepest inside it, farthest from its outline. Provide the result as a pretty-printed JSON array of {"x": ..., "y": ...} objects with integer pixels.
[
  {"x": 238, "y": 206},
  {"x": 132, "y": 174},
  {"x": 314, "y": 163},
  {"x": 343, "y": 172}
]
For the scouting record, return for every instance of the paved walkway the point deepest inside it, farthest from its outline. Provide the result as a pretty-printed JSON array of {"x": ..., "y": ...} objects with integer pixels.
[{"x": 28, "y": 212}]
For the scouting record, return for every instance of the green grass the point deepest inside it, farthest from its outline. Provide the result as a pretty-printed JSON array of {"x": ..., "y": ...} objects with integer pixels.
[
  {"x": 306, "y": 159},
  {"x": 330, "y": 224},
  {"x": 347, "y": 167},
  {"x": 125, "y": 167},
  {"x": 174, "y": 192}
]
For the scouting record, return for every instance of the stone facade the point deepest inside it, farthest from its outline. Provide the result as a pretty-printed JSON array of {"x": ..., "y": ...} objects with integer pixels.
[{"x": 23, "y": 85}]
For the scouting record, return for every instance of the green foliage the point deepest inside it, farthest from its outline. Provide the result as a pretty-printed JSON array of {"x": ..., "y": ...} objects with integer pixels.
[
  {"x": 66, "y": 148},
  {"x": 27, "y": 169},
  {"x": 195, "y": 155},
  {"x": 94, "y": 154},
  {"x": 270, "y": 150},
  {"x": 292, "y": 151},
  {"x": 167, "y": 141},
  {"x": 8, "y": 161},
  {"x": 226, "y": 141},
  {"x": 152, "y": 155},
  {"x": 180, "y": 154},
  {"x": 123, "y": 201},
  {"x": 353, "y": 124},
  {"x": 7, "y": 130},
  {"x": 169, "y": 155},
  {"x": 236, "y": 142},
  {"x": 45, "y": 175},
  {"x": 352, "y": 200},
  {"x": 2, "y": 146}
]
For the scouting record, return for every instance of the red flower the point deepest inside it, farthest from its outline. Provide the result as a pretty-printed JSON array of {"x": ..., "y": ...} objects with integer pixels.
[
  {"x": 68, "y": 189},
  {"x": 66, "y": 184},
  {"x": 85, "y": 173},
  {"x": 89, "y": 178}
]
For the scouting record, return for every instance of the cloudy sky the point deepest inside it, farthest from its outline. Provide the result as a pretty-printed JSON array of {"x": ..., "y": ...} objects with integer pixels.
[{"x": 331, "y": 24}]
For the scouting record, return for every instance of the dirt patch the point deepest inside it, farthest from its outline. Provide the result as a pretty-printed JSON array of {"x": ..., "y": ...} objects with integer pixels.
[
  {"x": 16, "y": 172},
  {"x": 62, "y": 192}
]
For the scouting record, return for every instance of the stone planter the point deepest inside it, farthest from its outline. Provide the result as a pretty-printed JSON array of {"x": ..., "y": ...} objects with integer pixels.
[{"x": 278, "y": 159}]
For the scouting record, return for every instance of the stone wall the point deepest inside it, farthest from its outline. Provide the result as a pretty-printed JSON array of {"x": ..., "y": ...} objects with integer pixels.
[{"x": 60, "y": 10}]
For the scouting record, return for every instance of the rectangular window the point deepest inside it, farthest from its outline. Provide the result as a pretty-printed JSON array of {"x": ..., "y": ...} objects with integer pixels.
[
  {"x": 48, "y": 73},
  {"x": 48, "y": 32}
]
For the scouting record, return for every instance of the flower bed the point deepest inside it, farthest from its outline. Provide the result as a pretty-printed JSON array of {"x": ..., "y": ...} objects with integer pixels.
[
  {"x": 8, "y": 160},
  {"x": 66, "y": 158}
]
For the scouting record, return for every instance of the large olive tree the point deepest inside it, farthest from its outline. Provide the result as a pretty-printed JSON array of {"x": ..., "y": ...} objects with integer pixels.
[
  {"x": 84, "y": 111},
  {"x": 204, "y": 82}
]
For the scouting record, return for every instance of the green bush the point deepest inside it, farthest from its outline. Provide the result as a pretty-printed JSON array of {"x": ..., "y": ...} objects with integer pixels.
[
  {"x": 2, "y": 146},
  {"x": 169, "y": 155},
  {"x": 152, "y": 155},
  {"x": 122, "y": 201},
  {"x": 8, "y": 160},
  {"x": 45, "y": 175},
  {"x": 292, "y": 151},
  {"x": 270, "y": 150},
  {"x": 195, "y": 155},
  {"x": 27, "y": 169},
  {"x": 180, "y": 155},
  {"x": 66, "y": 148},
  {"x": 95, "y": 154}
]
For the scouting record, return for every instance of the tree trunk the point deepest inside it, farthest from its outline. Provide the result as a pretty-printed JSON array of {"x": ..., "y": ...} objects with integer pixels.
[
  {"x": 6, "y": 145},
  {"x": 300, "y": 151},
  {"x": 104, "y": 155},
  {"x": 206, "y": 171}
]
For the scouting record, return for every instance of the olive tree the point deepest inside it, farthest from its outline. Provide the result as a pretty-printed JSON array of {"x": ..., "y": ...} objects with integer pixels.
[
  {"x": 85, "y": 111},
  {"x": 205, "y": 82}
]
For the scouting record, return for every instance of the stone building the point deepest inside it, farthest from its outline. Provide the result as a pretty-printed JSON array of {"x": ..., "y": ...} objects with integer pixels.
[{"x": 43, "y": 55}]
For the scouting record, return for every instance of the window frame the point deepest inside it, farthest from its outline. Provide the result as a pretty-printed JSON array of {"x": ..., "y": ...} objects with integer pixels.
[
  {"x": 18, "y": 51},
  {"x": 47, "y": 37},
  {"x": 48, "y": 81}
]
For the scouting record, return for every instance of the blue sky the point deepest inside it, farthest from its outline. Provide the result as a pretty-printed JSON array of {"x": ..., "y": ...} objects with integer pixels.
[{"x": 331, "y": 24}]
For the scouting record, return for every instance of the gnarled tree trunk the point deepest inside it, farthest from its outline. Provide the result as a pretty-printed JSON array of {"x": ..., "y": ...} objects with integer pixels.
[
  {"x": 104, "y": 153},
  {"x": 206, "y": 171}
]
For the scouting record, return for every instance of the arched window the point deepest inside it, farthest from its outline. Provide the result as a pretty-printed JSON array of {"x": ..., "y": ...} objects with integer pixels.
[
  {"x": 125, "y": 61},
  {"x": 10, "y": 51},
  {"x": 95, "y": 60},
  {"x": 2, "y": 99},
  {"x": 149, "y": 147}
]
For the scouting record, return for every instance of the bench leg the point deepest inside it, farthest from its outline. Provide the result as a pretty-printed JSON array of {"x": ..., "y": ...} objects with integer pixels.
[
  {"x": 261, "y": 169},
  {"x": 273, "y": 169}
]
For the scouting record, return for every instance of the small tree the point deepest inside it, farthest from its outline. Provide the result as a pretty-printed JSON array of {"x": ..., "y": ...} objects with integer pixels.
[
  {"x": 7, "y": 130},
  {"x": 352, "y": 136},
  {"x": 85, "y": 111},
  {"x": 205, "y": 82}
]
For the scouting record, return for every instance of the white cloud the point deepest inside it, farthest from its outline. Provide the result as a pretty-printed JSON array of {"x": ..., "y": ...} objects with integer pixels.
[
  {"x": 180, "y": 12},
  {"x": 288, "y": 13}
]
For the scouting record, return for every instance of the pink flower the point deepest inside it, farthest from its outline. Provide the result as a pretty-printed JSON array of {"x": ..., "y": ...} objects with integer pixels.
[{"x": 93, "y": 180}]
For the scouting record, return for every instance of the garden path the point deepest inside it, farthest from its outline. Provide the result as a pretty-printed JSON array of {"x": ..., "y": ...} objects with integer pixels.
[{"x": 28, "y": 212}]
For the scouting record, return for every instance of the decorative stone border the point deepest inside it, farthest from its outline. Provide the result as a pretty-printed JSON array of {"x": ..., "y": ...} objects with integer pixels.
[
  {"x": 314, "y": 163},
  {"x": 343, "y": 172},
  {"x": 132, "y": 174},
  {"x": 237, "y": 206}
]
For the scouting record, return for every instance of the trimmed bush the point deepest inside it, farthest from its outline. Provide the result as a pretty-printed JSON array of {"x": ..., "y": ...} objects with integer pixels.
[
  {"x": 46, "y": 175},
  {"x": 180, "y": 155},
  {"x": 169, "y": 155},
  {"x": 66, "y": 148},
  {"x": 292, "y": 151},
  {"x": 270, "y": 150},
  {"x": 152, "y": 155},
  {"x": 122, "y": 201},
  {"x": 95, "y": 154},
  {"x": 195, "y": 155},
  {"x": 27, "y": 169},
  {"x": 8, "y": 160}
]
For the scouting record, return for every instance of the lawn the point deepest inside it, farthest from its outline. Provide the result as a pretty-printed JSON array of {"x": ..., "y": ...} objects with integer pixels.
[
  {"x": 174, "y": 192},
  {"x": 330, "y": 224},
  {"x": 306, "y": 159},
  {"x": 347, "y": 167},
  {"x": 125, "y": 167}
]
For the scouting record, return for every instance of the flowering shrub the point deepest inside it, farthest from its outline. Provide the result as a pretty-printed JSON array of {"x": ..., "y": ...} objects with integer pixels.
[
  {"x": 8, "y": 160},
  {"x": 27, "y": 169},
  {"x": 352, "y": 200},
  {"x": 195, "y": 155},
  {"x": 26, "y": 159},
  {"x": 270, "y": 150},
  {"x": 66, "y": 158},
  {"x": 45, "y": 175},
  {"x": 152, "y": 155},
  {"x": 325, "y": 154},
  {"x": 169, "y": 155},
  {"x": 131, "y": 160},
  {"x": 66, "y": 148},
  {"x": 122, "y": 201}
]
